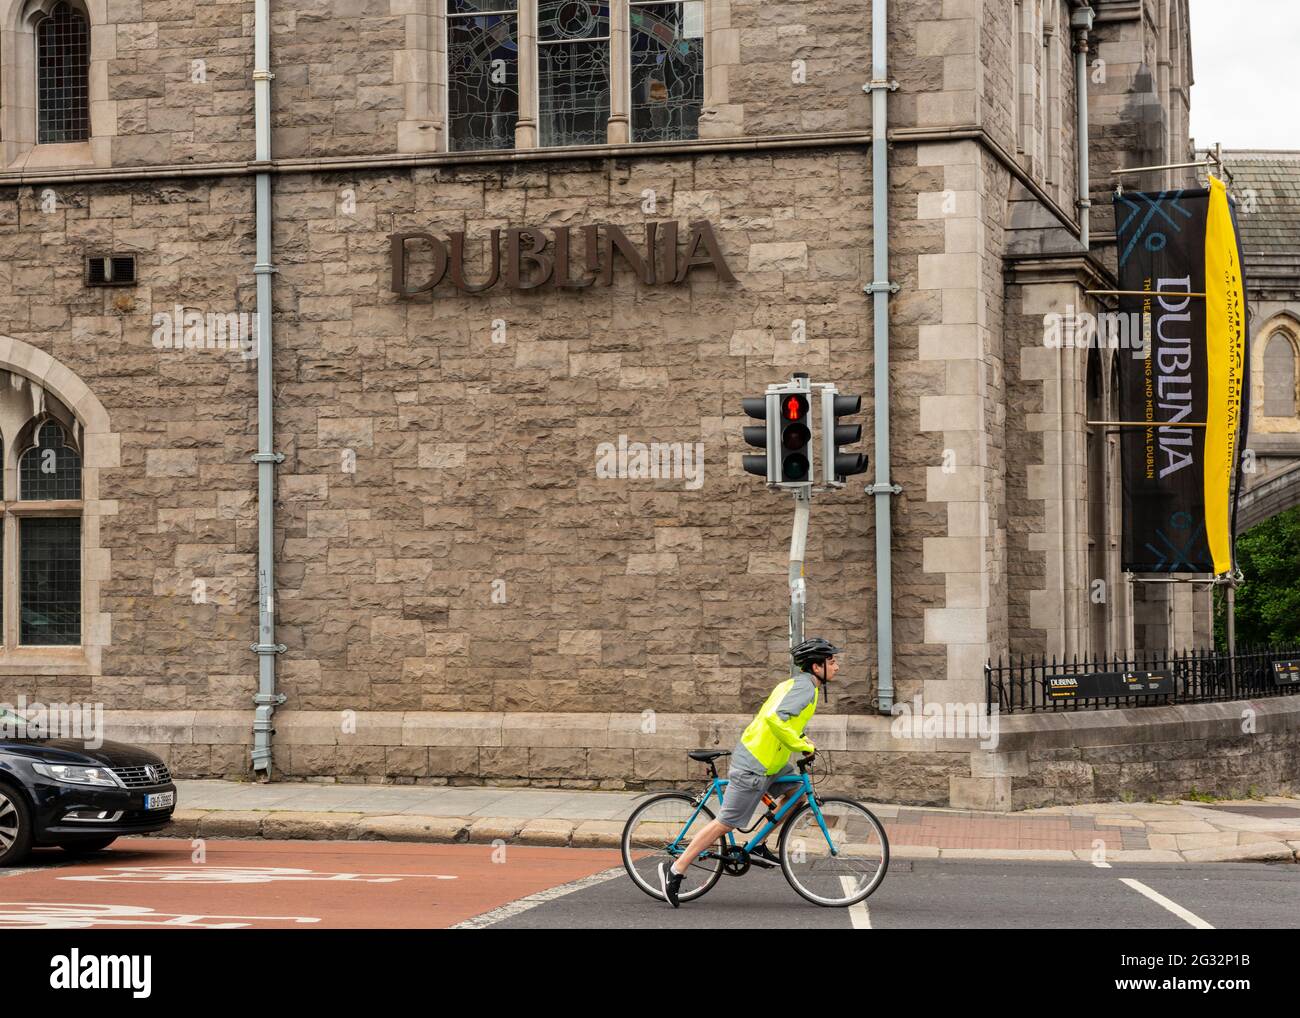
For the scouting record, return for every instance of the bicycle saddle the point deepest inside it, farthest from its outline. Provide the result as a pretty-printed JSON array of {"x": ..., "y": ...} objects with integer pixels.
[{"x": 707, "y": 755}]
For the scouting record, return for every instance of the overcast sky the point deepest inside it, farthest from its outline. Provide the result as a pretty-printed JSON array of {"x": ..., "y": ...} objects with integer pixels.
[{"x": 1246, "y": 62}]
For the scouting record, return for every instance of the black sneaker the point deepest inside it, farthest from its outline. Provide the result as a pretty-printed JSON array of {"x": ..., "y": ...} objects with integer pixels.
[
  {"x": 762, "y": 853},
  {"x": 670, "y": 883}
]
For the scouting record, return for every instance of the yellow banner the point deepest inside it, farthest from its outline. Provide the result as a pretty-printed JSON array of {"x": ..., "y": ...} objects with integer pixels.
[{"x": 1225, "y": 345}]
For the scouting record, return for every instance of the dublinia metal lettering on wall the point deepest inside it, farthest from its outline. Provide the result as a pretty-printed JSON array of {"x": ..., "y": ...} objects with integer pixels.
[{"x": 532, "y": 259}]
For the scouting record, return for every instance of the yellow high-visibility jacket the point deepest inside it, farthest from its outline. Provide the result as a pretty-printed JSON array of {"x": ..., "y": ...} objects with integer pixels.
[{"x": 777, "y": 728}]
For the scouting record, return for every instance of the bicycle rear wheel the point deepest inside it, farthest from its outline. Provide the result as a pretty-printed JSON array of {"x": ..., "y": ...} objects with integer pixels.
[
  {"x": 657, "y": 832},
  {"x": 843, "y": 870}
]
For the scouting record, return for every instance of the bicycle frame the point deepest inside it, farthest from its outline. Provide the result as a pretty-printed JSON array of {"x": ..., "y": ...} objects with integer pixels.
[{"x": 718, "y": 785}]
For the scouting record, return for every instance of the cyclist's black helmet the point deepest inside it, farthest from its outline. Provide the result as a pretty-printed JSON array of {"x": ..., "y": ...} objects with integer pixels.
[{"x": 813, "y": 651}]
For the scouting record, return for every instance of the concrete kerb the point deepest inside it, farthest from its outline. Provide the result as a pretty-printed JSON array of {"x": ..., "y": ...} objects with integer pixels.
[{"x": 337, "y": 826}]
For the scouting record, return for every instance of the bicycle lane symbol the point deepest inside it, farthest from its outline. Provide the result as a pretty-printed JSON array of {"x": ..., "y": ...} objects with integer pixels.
[
  {"x": 235, "y": 875},
  {"x": 204, "y": 874},
  {"x": 36, "y": 915}
]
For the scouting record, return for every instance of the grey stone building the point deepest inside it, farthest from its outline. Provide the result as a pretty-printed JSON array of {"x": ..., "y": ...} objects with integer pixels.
[{"x": 461, "y": 590}]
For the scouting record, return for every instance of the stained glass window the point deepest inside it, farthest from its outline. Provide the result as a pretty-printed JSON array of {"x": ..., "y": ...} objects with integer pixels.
[
  {"x": 482, "y": 74},
  {"x": 572, "y": 72},
  {"x": 63, "y": 77},
  {"x": 667, "y": 41},
  {"x": 51, "y": 468}
]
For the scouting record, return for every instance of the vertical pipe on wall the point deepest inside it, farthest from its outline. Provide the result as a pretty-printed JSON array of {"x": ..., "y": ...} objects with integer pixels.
[
  {"x": 883, "y": 489},
  {"x": 1081, "y": 21},
  {"x": 266, "y": 698}
]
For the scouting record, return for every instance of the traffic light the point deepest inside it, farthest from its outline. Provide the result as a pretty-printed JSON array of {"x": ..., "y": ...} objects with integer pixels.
[
  {"x": 757, "y": 435},
  {"x": 837, "y": 465},
  {"x": 796, "y": 467}
]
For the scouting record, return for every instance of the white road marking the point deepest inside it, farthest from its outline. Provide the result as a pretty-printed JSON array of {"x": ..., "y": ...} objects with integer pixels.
[
  {"x": 1101, "y": 865},
  {"x": 859, "y": 916},
  {"x": 1188, "y": 917},
  {"x": 515, "y": 908}
]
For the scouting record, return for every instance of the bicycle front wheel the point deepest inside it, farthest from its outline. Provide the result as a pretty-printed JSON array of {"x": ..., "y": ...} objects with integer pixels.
[
  {"x": 838, "y": 860},
  {"x": 658, "y": 831}
]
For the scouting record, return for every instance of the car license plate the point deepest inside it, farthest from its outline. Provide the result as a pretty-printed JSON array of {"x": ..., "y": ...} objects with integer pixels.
[{"x": 159, "y": 800}]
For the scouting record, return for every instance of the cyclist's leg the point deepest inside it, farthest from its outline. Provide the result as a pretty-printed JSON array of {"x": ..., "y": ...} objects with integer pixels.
[
  {"x": 790, "y": 789},
  {"x": 707, "y": 835},
  {"x": 744, "y": 791}
]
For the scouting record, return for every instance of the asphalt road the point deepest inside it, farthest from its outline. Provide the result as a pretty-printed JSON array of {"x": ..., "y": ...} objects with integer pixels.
[{"x": 153, "y": 883}]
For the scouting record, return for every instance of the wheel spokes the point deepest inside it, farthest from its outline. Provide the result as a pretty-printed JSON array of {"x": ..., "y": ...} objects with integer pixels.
[
  {"x": 8, "y": 823},
  {"x": 838, "y": 859}
]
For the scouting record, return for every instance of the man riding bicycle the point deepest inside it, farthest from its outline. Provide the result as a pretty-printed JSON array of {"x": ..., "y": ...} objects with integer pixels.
[{"x": 761, "y": 756}]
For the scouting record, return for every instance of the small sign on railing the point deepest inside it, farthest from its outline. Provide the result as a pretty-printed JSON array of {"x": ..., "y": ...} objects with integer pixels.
[
  {"x": 1286, "y": 673},
  {"x": 1095, "y": 685}
]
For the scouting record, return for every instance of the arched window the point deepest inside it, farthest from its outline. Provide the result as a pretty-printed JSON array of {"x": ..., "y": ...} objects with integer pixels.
[
  {"x": 51, "y": 469},
  {"x": 62, "y": 76},
  {"x": 1279, "y": 376},
  {"x": 48, "y": 520}
]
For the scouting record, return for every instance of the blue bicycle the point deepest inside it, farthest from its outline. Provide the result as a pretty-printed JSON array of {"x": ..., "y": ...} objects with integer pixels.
[{"x": 833, "y": 851}]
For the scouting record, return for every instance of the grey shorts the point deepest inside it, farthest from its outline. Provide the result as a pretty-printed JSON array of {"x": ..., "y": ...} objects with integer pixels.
[{"x": 745, "y": 791}]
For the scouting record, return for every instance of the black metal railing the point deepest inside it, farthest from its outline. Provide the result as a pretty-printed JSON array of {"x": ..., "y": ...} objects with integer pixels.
[{"x": 1199, "y": 676}]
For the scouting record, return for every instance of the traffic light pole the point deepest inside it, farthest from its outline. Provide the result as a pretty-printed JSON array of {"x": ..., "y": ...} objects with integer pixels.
[
  {"x": 798, "y": 589},
  {"x": 789, "y": 454}
]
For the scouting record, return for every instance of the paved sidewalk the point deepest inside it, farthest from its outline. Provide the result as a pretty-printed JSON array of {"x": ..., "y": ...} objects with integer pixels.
[{"x": 1257, "y": 830}]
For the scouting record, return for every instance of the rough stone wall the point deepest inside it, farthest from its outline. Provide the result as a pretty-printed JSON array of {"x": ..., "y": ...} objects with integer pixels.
[
  {"x": 1125, "y": 113},
  {"x": 475, "y": 460},
  {"x": 1211, "y": 756},
  {"x": 181, "y": 79},
  {"x": 335, "y": 92},
  {"x": 997, "y": 397},
  {"x": 183, "y": 495},
  {"x": 826, "y": 44},
  {"x": 917, "y": 374},
  {"x": 1025, "y": 517}
]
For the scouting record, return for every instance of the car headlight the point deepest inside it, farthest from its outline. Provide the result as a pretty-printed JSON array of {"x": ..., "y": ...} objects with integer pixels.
[{"x": 76, "y": 774}]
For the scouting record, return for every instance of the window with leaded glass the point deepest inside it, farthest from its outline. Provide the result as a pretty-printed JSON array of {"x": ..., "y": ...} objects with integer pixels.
[
  {"x": 667, "y": 69},
  {"x": 1279, "y": 377},
  {"x": 46, "y": 521},
  {"x": 572, "y": 72},
  {"x": 51, "y": 469},
  {"x": 482, "y": 74},
  {"x": 62, "y": 76}
]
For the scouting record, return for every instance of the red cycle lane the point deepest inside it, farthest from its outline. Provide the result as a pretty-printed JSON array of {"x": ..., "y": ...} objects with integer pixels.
[{"x": 155, "y": 882}]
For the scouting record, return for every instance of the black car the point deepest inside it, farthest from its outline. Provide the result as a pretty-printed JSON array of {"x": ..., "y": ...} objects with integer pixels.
[{"x": 60, "y": 792}]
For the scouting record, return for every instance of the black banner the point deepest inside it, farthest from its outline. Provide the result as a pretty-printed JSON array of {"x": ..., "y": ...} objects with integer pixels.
[
  {"x": 1161, "y": 248},
  {"x": 1181, "y": 252}
]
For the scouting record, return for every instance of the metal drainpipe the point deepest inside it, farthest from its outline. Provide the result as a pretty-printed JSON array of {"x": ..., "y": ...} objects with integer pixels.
[
  {"x": 1081, "y": 21},
  {"x": 266, "y": 699},
  {"x": 880, "y": 289}
]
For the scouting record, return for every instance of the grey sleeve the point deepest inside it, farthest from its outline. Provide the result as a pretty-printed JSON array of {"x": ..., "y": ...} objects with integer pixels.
[{"x": 800, "y": 696}]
